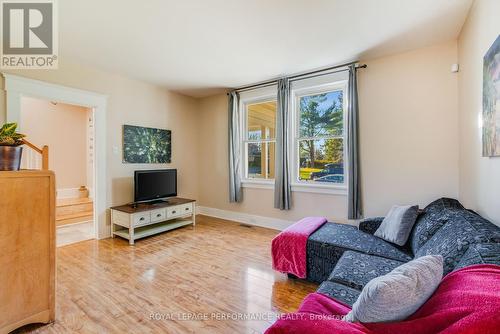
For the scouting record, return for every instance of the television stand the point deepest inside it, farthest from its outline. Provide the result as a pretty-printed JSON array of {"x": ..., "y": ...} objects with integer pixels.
[
  {"x": 144, "y": 219},
  {"x": 156, "y": 202}
]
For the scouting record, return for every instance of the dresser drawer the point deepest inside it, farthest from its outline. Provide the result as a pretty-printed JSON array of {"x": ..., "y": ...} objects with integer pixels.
[
  {"x": 142, "y": 218},
  {"x": 158, "y": 215}
]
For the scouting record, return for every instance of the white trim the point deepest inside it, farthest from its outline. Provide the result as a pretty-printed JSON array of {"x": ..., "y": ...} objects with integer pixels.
[
  {"x": 261, "y": 95},
  {"x": 259, "y": 184},
  {"x": 299, "y": 187},
  {"x": 319, "y": 189},
  {"x": 16, "y": 87},
  {"x": 312, "y": 87},
  {"x": 245, "y": 218}
]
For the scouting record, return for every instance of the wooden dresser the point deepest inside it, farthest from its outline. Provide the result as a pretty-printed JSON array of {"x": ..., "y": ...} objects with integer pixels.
[{"x": 27, "y": 256}]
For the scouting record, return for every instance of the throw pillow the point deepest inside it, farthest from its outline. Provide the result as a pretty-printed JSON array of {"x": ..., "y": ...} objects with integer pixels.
[
  {"x": 397, "y": 225},
  {"x": 398, "y": 294}
]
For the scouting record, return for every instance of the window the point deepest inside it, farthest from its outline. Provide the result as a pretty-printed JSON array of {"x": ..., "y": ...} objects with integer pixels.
[
  {"x": 320, "y": 136},
  {"x": 259, "y": 139}
]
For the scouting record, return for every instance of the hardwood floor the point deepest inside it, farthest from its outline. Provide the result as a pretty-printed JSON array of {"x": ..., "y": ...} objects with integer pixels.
[{"x": 214, "y": 270}]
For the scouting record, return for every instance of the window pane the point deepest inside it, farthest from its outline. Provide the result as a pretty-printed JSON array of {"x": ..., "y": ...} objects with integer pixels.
[
  {"x": 261, "y": 120},
  {"x": 321, "y": 160},
  {"x": 261, "y": 160},
  {"x": 322, "y": 114}
]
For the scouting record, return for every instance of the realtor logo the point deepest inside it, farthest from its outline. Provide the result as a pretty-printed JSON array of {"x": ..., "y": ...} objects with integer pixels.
[{"x": 29, "y": 36}]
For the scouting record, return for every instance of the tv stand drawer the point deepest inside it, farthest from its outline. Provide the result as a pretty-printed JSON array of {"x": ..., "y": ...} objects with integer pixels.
[
  {"x": 142, "y": 218},
  {"x": 158, "y": 215},
  {"x": 173, "y": 212},
  {"x": 186, "y": 209}
]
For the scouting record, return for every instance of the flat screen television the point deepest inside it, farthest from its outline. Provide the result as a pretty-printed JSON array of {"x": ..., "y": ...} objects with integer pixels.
[{"x": 154, "y": 185}]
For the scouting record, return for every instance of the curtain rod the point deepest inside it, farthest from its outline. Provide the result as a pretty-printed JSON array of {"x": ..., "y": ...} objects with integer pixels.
[{"x": 300, "y": 76}]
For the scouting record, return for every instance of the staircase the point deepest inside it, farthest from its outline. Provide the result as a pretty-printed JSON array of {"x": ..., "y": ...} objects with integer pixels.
[{"x": 74, "y": 211}]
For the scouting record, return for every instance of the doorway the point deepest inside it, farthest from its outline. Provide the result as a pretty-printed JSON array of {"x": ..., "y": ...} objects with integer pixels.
[
  {"x": 17, "y": 87},
  {"x": 67, "y": 131}
]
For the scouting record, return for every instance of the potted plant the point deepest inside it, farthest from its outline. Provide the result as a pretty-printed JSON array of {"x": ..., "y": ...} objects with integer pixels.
[{"x": 10, "y": 147}]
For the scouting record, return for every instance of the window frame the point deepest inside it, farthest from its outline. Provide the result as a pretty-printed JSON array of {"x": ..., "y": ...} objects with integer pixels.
[
  {"x": 295, "y": 95},
  {"x": 269, "y": 94}
]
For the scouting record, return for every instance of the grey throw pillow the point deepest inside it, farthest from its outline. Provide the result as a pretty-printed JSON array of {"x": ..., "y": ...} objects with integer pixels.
[
  {"x": 398, "y": 294},
  {"x": 397, "y": 225}
]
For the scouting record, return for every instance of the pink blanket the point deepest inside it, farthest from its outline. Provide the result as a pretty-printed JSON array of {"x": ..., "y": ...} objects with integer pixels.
[
  {"x": 466, "y": 301},
  {"x": 289, "y": 247}
]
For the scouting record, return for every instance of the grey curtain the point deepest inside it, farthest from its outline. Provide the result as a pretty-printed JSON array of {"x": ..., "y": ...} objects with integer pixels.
[
  {"x": 235, "y": 193},
  {"x": 354, "y": 209},
  {"x": 282, "y": 191}
]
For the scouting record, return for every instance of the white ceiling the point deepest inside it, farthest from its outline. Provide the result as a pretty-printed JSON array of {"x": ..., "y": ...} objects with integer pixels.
[{"x": 199, "y": 47}]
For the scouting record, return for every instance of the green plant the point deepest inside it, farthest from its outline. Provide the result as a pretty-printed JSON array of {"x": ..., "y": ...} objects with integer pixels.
[{"x": 9, "y": 136}]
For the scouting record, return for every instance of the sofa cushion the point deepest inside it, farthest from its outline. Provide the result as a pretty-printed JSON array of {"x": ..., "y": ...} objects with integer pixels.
[
  {"x": 480, "y": 254},
  {"x": 329, "y": 242},
  {"x": 339, "y": 292},
  {"x": 453, "y": 239},
  {"x": 370, "y": 225},
  {"x": 355, "y": 269},
  {"x": 435, "y": 215},
  {"x": 398, "y": 294},
  {"x": 397, "y": 225}
]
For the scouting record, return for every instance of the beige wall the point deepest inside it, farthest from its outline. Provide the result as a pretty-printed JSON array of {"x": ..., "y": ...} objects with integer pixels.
[
  {"x": 479, "y": 177},
  {"x": 137, "y": 103},
  {"x": 409, "y": 142},
  {"x": 63, "y": 127},
  {"x": 409, "y": 128},
  {"x": 409, "y": 138}
]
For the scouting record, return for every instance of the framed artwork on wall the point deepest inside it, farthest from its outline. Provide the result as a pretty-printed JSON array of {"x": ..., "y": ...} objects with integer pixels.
[
  {"x": 491, "y": 101},
  {"x": 146, "y": 145}
]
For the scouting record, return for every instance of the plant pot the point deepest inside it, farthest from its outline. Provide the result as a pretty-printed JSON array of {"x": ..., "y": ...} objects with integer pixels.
[{"x": 10, "y": 157}]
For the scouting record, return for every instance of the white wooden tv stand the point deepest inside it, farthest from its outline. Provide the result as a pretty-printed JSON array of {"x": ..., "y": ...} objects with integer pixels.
[{"x": 133, "y": 222}]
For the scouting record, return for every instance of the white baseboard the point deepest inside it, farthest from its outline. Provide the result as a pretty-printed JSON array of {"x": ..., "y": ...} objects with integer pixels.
[{"x": 245, "y": 218}]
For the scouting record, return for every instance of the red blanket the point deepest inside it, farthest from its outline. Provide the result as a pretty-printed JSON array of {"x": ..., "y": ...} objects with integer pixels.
[
  {"x": 466, "y": 301},
  {"x": 289, "y": 247}
]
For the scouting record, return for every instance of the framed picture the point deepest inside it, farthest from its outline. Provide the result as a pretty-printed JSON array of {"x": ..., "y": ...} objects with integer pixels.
[
  {"x": 143, "y": 145},
  {"x": 491, "y": 101}
]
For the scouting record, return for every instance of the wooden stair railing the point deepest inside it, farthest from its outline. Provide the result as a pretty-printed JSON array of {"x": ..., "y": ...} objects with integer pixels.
[{"x": 44, "y": 151}]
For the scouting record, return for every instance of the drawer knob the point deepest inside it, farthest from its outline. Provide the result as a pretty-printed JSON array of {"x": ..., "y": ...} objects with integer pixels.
[
  {"x": 173, "y": 211},
  {"x": 186, "y": 209},
  {"x": 158, "y": 215},
  {"x": 142, "y": 218}
]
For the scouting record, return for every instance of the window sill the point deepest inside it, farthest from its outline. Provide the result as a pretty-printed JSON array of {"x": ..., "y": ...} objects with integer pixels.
[
  {"x": 298, "y": 187},
  {"x": 258, "y": 184},
  {"x": 319, "y": 189}
]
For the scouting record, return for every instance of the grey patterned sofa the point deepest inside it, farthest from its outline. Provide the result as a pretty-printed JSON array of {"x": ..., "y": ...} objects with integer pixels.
[{"x": 344, "y": 258}]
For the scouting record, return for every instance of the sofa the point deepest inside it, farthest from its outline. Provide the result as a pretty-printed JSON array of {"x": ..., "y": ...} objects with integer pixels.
[
  {"x": 466, "y": 301},
  {"x": 343, "y": 258}
]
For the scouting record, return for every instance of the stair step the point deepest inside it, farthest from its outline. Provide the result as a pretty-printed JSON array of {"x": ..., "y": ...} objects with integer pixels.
[
  {"x": 70, "y": 206},
  {"x": 74, "y": 218},
  {"x": 72, "y": 201},
  {"x": 74, "y": 215}
]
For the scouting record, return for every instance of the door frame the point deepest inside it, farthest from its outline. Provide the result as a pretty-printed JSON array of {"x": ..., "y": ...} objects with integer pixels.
[{"x": 17, "y": 87}]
